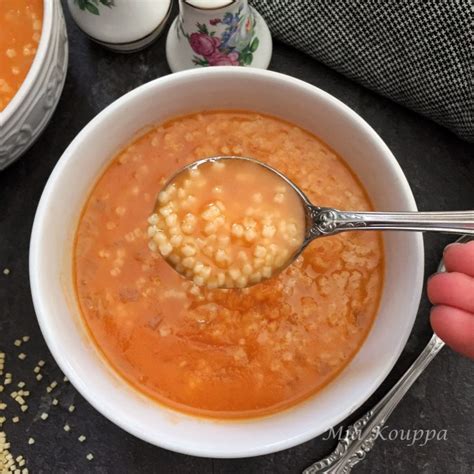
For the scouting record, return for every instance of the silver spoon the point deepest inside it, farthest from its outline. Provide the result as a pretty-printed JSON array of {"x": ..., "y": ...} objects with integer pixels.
[
  {"x": 360, "y": 437},
  {"x": 324, "y": 221}
]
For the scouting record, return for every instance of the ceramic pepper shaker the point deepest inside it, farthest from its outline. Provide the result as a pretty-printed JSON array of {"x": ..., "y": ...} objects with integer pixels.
[
  {"x": 218, "y": 33},
  {"x": 124, "y": 26}
]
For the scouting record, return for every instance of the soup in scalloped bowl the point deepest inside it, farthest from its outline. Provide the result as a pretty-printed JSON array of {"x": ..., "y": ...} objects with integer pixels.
[
  {"x": 20, "y": 32},
  {"x": 224, "y": 353}
]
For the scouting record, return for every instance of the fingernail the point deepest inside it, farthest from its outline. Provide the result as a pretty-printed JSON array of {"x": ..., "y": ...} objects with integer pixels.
[{"x": 454, "y": 244}]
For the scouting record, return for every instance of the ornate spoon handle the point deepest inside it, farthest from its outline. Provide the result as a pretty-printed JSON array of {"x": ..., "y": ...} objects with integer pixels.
[
  {"x": 361, "y": 436},
  {"x": 326, "y": 221}
]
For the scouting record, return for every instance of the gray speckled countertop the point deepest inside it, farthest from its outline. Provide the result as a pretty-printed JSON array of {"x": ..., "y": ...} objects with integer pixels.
[{"x": 440, "y": 169}]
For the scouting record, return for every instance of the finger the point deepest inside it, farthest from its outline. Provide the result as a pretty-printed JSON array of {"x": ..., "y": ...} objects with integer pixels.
[
  {"x": 460, "y": 258},
  {"x": 455, "y": 327},
  {"x": 452, "y": 289}
]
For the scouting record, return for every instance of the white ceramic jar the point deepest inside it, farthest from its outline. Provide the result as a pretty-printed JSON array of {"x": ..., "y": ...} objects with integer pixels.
[
  {"x": 218, "y": 33},
  {"x": 30, "y": 110},
  {"x": 124, "y": 26}
]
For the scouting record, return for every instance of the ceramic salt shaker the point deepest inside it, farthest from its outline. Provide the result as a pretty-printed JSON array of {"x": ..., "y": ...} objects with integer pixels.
[
  {"x": 218, "y": 33},
  {"x": 124, "y": 26}
]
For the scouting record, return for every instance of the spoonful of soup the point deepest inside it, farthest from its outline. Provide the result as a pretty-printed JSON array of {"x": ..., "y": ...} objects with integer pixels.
[{"x": 231, "y": 222}]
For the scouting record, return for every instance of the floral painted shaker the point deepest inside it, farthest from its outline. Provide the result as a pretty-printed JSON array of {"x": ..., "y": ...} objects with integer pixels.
[
  {"x": 124, "y": 26},
  {"x": 218, "y": 33}
]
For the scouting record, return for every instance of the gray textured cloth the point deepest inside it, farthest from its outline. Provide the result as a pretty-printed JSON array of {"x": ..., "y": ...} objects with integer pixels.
[{"x": 416, "y": 52}]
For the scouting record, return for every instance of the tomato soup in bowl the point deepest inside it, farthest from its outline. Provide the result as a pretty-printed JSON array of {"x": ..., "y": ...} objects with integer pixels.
[
  {"x": 210, "y": 372},
  {"x": 225, "y": 353},
  {"x": 21, "y": 22}
]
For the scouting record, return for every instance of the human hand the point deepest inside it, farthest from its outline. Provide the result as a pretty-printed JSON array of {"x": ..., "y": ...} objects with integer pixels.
[{"x": 452, "y": 294}]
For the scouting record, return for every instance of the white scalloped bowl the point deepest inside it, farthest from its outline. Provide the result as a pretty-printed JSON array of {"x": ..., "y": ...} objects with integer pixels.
[
  {"x": 66, "y": 193},
  {"x": 28, "y": 113}
]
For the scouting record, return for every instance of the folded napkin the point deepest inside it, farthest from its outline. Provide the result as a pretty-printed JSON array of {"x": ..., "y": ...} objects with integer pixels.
[{"x": 416, "y": 52}]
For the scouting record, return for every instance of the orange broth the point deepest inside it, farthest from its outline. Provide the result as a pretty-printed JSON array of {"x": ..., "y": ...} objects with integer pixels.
[
  {"x": 224, "y": 353},
  {"x": 20, "y": 32},
  {"x": 218, "y": 241}
]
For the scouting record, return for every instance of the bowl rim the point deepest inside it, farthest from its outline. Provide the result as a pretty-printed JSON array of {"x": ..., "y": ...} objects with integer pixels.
[
  {"x": 40, "y": 302},
  {"x": 36, "y": 65}
]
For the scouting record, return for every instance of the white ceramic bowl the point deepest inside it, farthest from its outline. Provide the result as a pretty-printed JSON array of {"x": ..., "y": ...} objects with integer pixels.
[
  {"x": 67, "y": 190},
  {"x": 30, "y": 110}
]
